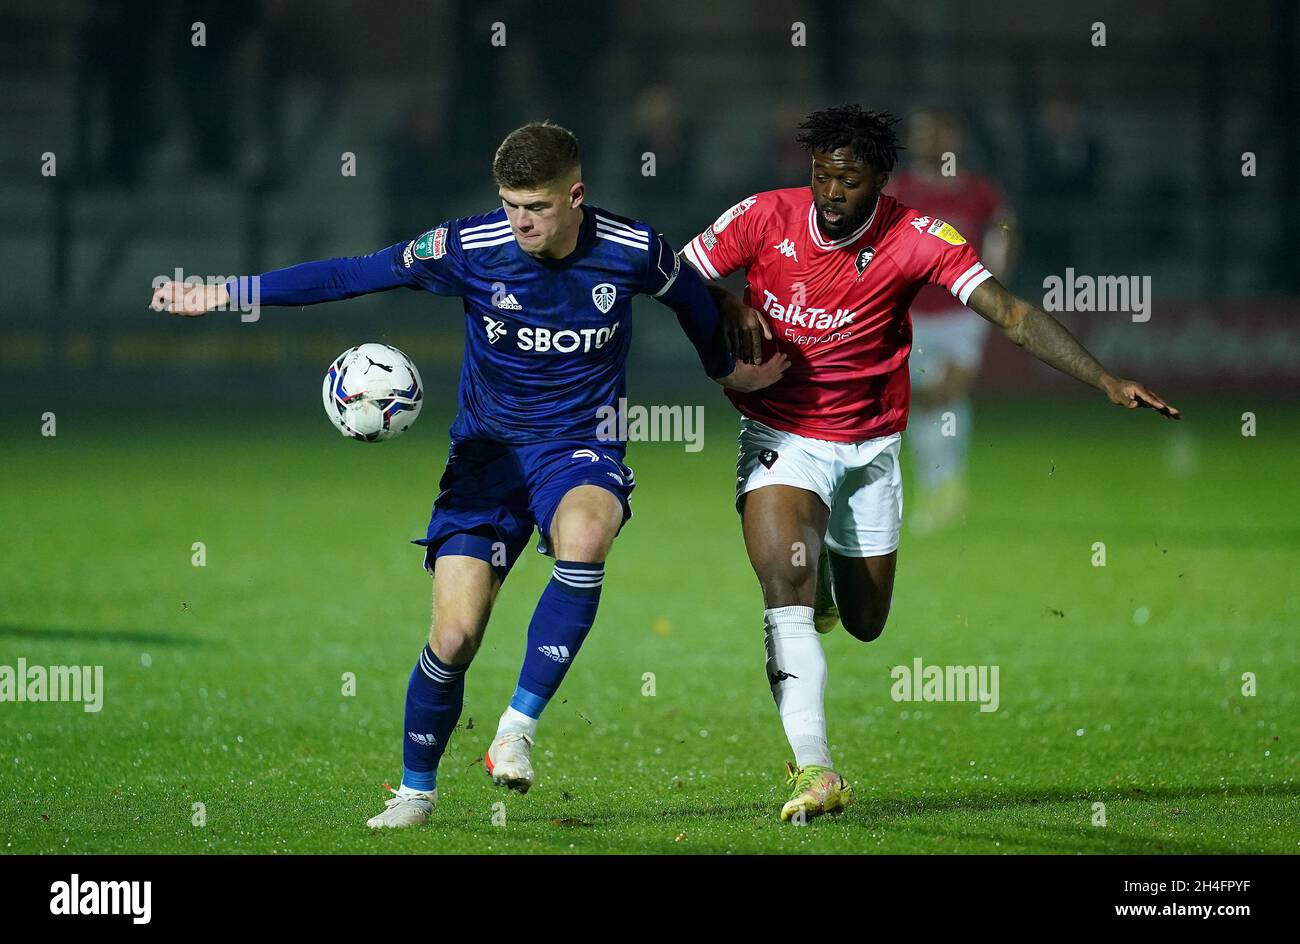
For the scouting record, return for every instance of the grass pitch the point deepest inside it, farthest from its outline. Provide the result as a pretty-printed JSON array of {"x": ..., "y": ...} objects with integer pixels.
[{"x": 1120, "y": 685}]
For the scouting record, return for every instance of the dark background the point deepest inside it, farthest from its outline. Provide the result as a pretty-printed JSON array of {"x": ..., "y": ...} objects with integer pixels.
[{"x": 225, "y": 158}]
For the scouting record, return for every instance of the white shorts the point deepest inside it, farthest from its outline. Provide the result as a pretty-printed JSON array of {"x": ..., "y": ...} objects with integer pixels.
[
  {"x": 859, "y": 482},
  {"x": 950, "y": 338}
]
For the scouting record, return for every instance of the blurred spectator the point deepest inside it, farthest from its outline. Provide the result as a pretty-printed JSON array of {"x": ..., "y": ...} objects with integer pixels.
[
  {"x": 419, "y": 193},
  {"x": 205, "y": 76},
  {"x": 1063, "y": 171},
  {"x": 947, "y": 339},
  {"x": 660, "y": 130},
  {"x": 115, "y": 58},
  {"x": 1064, "y": 155}
]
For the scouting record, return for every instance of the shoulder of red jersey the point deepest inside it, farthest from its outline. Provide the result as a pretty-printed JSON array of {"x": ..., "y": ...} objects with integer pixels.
[
  {"x": 934, "y": 251},
  {"x": 732, "y": 241},
  {"x": 761, "y": 207}
]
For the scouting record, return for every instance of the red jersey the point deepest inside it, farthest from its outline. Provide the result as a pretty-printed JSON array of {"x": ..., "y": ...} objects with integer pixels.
[
  {"x": 838, "y": 309},
  {"x": 971, "y": 206}
]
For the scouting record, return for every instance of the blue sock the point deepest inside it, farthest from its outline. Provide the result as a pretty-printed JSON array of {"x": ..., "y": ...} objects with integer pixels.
[
  {"x": 433, "y": 701},
  {"x": 560, "y": 623}
]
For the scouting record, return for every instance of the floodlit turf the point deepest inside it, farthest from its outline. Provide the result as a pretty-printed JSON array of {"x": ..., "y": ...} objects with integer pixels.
[{"x": 1119, "y": 685}]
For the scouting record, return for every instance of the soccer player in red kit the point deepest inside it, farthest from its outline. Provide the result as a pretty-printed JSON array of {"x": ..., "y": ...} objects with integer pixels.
[
  {"x": 947, "y": 339},
  {"x": 831, "y": 271}
]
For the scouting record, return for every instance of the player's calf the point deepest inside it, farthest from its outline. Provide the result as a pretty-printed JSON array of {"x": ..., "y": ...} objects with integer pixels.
[{"x": 864, "y": 590}]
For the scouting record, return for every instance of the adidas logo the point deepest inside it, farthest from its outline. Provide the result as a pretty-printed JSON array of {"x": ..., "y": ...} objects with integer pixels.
[
  {"x": 558, "y": 653},
  {"x": 427, "y": 740},
  {"x": 786, "y": 248},
  {"x": 509, "y": 303}
]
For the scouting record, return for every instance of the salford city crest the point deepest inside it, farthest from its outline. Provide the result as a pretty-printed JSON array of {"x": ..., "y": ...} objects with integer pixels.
[{"x": 864, "y": 258}]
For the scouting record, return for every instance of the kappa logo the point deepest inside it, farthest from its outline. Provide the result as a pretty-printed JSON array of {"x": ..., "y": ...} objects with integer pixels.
[
  {"x": 585, "y": 454},
  {"x": 921, "y": 222},
  {"x": 495, "y": 329},
  {"x": 427, "y": 740},
  {"x": 768, "y": 457},
  {"x": 510, "y": 303},
  {"x": 603, "y": 296},
  {"x": 864, "y": 259},
  {"x": 786, "y": 248},
  {"x": 777, "y": 677},
  {"x": 558, "y": 653}
]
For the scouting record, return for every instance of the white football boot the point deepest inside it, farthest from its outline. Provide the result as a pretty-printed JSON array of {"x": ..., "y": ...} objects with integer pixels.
[
  {"x": 410, "y": 809},
  {"x": 509, "y": 760}
]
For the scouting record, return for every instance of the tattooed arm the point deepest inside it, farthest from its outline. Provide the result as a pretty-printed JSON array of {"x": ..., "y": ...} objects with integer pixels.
[{"x": 1047, "y": 339}]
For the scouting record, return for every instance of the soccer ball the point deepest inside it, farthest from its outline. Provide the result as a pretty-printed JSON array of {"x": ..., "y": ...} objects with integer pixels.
[{"x": 372, "y": 392}]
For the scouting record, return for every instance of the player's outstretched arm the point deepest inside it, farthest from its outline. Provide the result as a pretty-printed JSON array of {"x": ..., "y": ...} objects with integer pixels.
[
  {"x": 307, "y": 284},
  {"x": 1048, "y": 340}
]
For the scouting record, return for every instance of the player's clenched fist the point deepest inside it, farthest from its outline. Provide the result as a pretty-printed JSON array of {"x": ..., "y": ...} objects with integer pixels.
[
  {"x": 190, "y": 300},
  {"x": 747, "y": 378}
]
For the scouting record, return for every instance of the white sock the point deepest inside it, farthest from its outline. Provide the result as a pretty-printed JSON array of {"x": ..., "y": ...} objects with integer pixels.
[
  {"x": 939, "y": 457},
  {"x": 406, "y": 792},
  {"x": 796, "y": 670},
  {"x": 514, "y": 720}
]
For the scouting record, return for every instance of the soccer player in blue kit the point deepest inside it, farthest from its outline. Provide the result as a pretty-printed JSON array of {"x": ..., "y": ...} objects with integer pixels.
[{"x": 547, "y": 281}]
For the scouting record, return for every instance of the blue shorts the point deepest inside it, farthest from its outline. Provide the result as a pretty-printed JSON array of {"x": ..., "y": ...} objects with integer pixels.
[{"x": 493, "y": 495}]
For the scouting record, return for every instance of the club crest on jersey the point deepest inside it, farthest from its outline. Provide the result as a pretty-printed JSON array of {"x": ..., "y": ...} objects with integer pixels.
[
  {"x": 603, "y": 296},
  {"x": 768, "y": 457},
  {"x": 432, "y": 245},
  {"x": 864, "y": 259}
]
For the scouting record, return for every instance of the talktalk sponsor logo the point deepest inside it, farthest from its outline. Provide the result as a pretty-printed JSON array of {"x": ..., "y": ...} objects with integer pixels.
[
  {"x": 801, "y": 317},
  {"x": 566, "y": 341}
]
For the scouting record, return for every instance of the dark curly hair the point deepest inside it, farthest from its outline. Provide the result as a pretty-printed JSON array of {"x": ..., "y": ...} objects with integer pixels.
[{"x": 872, "y": 136}]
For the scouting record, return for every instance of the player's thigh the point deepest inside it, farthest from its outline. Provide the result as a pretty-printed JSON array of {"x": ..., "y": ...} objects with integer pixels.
[
  {"x": 862, "y": 536},
  {"x": 464, "y": 589},
  {"x": 864, "y": 588},
  {"x": 783, "y": 527},
  {"x": 585, "y": 524}
]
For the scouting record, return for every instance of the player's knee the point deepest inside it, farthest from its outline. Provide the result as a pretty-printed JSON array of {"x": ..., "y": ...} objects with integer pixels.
[
  {"x": 587, "y": 539},
  {"x": 865, "y": 625},
  {"x": 454, "y": 643}
]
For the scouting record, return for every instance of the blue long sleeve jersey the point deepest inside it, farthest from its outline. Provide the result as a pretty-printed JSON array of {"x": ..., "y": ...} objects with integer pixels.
[{"x": 546, "y": 340}]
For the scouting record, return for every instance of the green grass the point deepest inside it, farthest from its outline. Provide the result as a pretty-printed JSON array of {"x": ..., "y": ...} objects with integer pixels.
[{"x": 308, "y": 576}]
